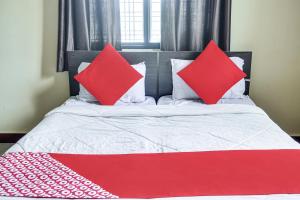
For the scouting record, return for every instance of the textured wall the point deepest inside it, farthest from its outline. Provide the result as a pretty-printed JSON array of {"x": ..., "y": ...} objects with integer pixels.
[
  {"x": 29, "y": 84},
  {"x": 271, "y": 29}
]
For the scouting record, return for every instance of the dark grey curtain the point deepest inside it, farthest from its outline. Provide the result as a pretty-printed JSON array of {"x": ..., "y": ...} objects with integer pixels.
[
  {"x": 188, "y": 25},
  {"x": 87, "y": 25}
]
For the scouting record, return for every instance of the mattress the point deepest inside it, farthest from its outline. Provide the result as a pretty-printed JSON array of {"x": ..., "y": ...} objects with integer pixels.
[
  {"x": 168, "y": 100},
  {"x": 84, "y": 128}
]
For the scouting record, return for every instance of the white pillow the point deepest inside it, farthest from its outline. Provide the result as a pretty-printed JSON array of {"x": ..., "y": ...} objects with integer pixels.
[
  {"x": 135, "y": 94},
  {"x": 183, "y": 91}
]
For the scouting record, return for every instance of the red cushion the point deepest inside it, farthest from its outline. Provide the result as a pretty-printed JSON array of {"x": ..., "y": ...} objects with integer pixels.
[
  {"x": 212, "y": 74},
  {"x": 108, "y": 77}
]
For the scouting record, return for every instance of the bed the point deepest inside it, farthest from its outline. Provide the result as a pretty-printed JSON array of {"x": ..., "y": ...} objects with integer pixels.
[{"x": 78, "y": 127}]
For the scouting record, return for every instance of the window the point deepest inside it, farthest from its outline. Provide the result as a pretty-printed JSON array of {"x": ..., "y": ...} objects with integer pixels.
[{"x": 140, "y": 23}]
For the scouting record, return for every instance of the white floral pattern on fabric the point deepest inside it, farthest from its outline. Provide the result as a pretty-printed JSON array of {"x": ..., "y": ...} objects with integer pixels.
[{"x": 40, "y": 175}]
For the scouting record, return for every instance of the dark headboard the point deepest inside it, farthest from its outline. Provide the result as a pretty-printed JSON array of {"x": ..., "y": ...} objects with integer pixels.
[
  {"x": 150, "y": 59},
  {"x": 158, "y": 78},
  {"x": 165, "y": 68}
]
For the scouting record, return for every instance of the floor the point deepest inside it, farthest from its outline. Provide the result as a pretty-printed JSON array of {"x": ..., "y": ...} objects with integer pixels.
[{"x": 4, "y": 147}]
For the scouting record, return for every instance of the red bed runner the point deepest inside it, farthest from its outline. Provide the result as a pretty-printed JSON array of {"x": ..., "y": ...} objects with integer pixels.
[{"x": 241, "y": 172}]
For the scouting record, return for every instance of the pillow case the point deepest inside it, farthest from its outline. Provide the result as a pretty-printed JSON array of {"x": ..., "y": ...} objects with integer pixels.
[
  {"x": 211, "y": 74},
  {"x": 135, "y": 94},
  {"x": 109, "y": 76},
  {"x": 181, "y": 90},
  {"x": 168, "y": 100}
]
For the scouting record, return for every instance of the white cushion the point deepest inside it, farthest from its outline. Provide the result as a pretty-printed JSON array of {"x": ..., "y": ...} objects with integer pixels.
[
  {"x": 182, "y": 91},
  {"x": 135, "y": 94}
]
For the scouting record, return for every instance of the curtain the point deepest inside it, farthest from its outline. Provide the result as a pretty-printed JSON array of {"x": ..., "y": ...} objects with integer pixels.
[
  {"x": 87, "y": 25},
  {"x": 188, "y": 25}
]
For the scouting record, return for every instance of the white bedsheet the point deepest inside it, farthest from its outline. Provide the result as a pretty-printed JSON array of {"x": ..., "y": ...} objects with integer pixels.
[
  {"x": 79, "y": 127},
  {"x": 168, "y": 100},
  {"x": 148, "y": 101}
]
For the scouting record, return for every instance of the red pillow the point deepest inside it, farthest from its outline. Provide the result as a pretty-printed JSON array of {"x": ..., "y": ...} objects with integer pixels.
[
  {"x": 109, "y": 76},
  {"x": 212, "y": 74}
]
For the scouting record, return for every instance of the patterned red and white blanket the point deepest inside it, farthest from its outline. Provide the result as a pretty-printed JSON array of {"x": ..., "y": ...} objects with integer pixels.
[{"x": 251, "y": 172}]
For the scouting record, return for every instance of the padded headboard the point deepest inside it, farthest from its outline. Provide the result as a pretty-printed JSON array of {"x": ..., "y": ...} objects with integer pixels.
[{"x": 158, "y": 78}]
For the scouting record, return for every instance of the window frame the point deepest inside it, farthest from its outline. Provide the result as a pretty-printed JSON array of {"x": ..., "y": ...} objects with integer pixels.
[{"x": 147, "y": 26}]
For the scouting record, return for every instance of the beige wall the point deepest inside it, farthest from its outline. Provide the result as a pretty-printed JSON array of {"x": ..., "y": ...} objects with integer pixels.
[
  {"x": 271, "y": 29},
  {"x": 29, "y": 85}
]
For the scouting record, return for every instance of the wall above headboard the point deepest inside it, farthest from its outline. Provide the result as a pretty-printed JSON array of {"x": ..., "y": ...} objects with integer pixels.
[{"x": 158, "y": 78}]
